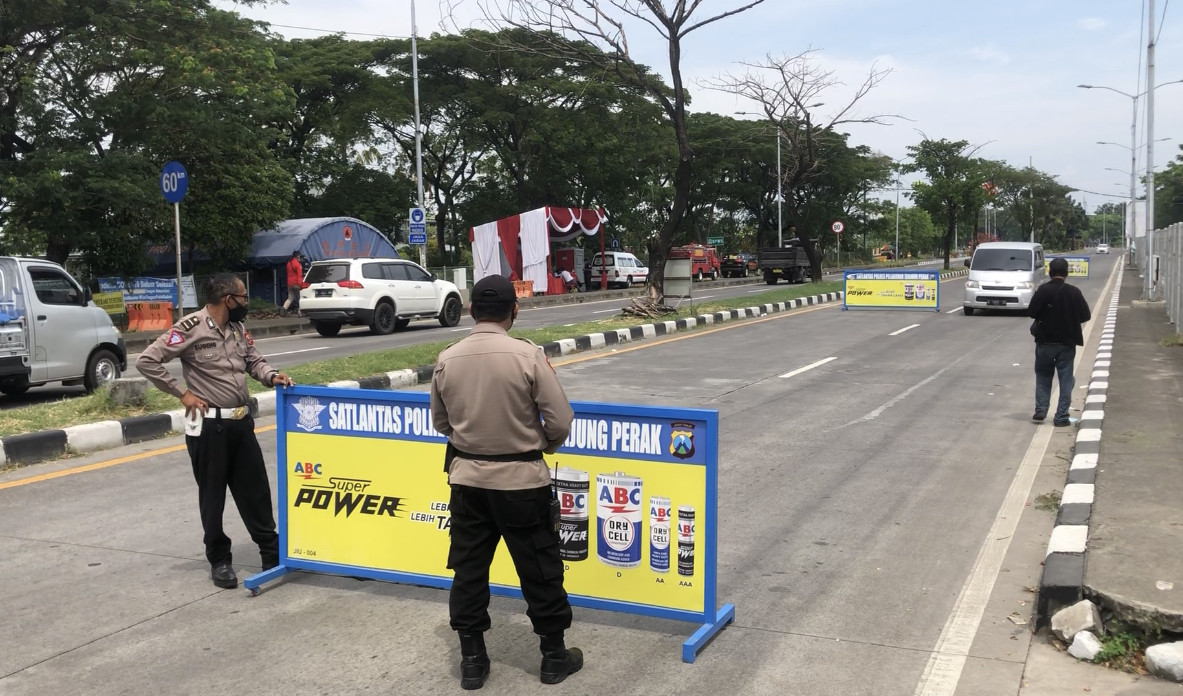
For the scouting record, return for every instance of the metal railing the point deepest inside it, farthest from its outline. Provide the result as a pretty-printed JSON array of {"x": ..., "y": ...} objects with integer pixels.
[{"x": 1165, "y": 268}]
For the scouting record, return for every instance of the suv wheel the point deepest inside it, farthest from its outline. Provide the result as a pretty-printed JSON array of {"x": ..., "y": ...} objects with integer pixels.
[
  {"x": 451, "y": 314},
  {"x": 326, "y": 329},
  {"x": 384, "y": 319}
]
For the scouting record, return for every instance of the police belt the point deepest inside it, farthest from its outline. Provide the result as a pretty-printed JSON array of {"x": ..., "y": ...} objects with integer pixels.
[
  {"x": 236, "y": 413},
  {"x": 451, "y": 452}
]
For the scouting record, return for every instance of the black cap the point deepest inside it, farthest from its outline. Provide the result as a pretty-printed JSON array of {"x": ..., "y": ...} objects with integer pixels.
[{"x": 494, "y": 289}]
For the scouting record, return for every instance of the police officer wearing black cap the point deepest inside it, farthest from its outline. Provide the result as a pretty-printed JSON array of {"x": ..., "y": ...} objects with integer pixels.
[{"x": 500, "y": 404}]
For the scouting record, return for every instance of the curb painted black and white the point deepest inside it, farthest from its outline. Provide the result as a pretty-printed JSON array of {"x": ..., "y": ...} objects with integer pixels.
[
  {"x": 1062, "y": 582},
  {"x": 31, "y": 448}
]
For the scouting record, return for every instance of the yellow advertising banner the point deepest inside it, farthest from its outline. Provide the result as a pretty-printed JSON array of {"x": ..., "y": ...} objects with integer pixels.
[
  {"x": 1078, "y": 266},
  {"x": 890, "y": 289},
  {"x": 110, "y": 302},
  {"x": 363, "y": 493}
]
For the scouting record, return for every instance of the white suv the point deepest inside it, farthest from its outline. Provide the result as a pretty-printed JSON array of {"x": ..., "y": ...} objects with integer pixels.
[
  {"x": 620, "y": 267},
  {"x": 384, "y": 294}
]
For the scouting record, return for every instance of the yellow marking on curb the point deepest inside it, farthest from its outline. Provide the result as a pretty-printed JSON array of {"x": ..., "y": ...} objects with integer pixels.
[{"x": 103, "y": 465}]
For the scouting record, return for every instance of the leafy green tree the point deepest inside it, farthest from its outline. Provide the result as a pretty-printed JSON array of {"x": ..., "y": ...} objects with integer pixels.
[
  {"x": 106, "y": 97},
  {"x": 1168, "y": 193},
  {"x": 953, "y": 192}
]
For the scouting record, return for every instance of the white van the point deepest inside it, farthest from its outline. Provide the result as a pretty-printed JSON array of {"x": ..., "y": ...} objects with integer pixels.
[
  {"x": 1003, "y": 275},
  {"x": 51, "y": 331},
  {"x": 621, "y": 268}
]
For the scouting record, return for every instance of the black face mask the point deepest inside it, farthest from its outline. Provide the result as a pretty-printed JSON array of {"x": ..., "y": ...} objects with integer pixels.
[{"x": 237, "y": 312}]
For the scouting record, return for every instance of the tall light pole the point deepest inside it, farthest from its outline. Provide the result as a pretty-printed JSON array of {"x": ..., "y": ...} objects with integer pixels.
[
  {"x": 780, "y": 235},
  {"x": 418, "y": 128},
  {"x": 896, "y": 252}
]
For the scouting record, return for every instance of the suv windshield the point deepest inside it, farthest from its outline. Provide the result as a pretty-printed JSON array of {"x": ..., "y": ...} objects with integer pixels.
[
  {"x": 327, "y": 273},
  {"x": 1001, "y": 260}
]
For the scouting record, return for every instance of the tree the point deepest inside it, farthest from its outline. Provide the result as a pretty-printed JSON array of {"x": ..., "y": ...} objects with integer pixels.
[
  {"x": 105, "y": 99},
  {"x": 788, "y": 90},
  {"x": 1168, "y": 193},
  {"x": 593, "y": 34},
  {"x": 953, "y": 192}
]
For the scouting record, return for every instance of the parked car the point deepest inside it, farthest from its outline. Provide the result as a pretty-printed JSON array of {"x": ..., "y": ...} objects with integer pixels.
[
  {"x": 385, "y": 294},
  {"x": 738, "y": 265},
  {"x": 51, "y": 331},
  {"x": 1102, "y": 248},
  {"x": 620, "y": 268}
]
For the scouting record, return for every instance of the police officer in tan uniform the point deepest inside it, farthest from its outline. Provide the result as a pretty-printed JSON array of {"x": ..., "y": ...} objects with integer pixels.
[
  {"x": 216, "y": 354},
  {"x": 500, "y": 404}
]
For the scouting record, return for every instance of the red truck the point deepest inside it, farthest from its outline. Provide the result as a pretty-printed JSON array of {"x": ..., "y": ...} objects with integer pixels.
[{"x": 704, "y": 262}]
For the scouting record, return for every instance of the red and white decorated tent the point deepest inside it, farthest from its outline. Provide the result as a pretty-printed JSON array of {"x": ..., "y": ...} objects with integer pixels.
[{"x": 518, "y": 247}]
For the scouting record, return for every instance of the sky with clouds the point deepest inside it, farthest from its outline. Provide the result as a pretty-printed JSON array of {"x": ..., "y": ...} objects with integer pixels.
[{"x": 1000, "y": 74}]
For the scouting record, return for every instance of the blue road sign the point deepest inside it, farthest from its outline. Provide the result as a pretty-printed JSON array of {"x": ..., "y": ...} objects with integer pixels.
[
  {"x": 174, "y": 182},
  {"x": 418, "y": 226},
  {"x": 418, "y": 238}
]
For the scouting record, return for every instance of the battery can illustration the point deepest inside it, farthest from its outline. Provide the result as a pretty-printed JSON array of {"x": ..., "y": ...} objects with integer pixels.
[
  {"x": 618, "y": 516},
  {"x": 685, "y": 540},
  {"x": 659, "y": 534},
  {"x": 573, "y": 491}
]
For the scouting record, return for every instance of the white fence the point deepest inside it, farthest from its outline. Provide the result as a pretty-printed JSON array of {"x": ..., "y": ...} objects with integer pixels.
[{"x": 1164, "y": 270}]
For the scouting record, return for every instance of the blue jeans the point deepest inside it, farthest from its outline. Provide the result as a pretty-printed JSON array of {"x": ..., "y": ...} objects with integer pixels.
[{"x": 1052, "y": 358}]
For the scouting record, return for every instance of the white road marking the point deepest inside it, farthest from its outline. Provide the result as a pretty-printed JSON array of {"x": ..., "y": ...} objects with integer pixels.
[
  {"x": 605, "y": 311},
  {"x": 906, "y": 328},
  {"x": 943, "y": 671},
  {"x": 463, "y": 328},
  {"x": 704, "y": 297},
  {"x": 293, "y": 352},
  {"x": 954, "y": 311},
  {"x": 567, "y": 325},
  {"x": 808, "y": 367},
  {"x": 761, "y": 290}
]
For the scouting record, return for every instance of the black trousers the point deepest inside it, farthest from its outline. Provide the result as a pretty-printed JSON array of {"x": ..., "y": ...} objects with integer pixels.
[
  {"x": 227, "y": 455},
  {"x": 481, "y": 518}
]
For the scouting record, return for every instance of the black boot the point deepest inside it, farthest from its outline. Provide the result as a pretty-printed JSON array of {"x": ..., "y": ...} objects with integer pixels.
[
  {"x": 474, "y": 661},
  {"x": 558, "y": 661}
]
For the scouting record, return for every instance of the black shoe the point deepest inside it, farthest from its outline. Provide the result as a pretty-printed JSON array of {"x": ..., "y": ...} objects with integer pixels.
[
  {"x": 1039, "y": 415},
  {"x": 1062, "y": 423},
  {"x": 474, "y": 661},
  {"x": 558, "y": 661},
  {"x": 224, "y": 577}
]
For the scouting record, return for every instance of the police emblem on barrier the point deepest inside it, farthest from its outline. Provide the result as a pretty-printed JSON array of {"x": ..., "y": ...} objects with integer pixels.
[
  {"x": 682, "y": 440},
  {"x": 309, "y": 409}
]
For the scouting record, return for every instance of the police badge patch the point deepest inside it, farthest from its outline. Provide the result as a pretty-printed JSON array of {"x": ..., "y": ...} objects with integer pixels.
[
  {"x": 682, "y": 440},
  {"x": 309, "y": 409}
]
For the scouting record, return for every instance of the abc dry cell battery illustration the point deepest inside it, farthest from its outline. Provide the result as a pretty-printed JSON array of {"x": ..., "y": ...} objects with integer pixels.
[
  {"x": 659, "y": 534},
  {"x": 618, "y": 516},
  {"x": 572, "y": 488},
  {"x": 685, "y": 540}
]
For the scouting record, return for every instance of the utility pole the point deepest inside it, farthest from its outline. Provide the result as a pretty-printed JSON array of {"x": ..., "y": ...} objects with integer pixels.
[
  {"x": 896, "y": 252},
  {"x": 1150, "y": 270},
  {"x": 418, "y": 128},
  {"x": 1031, "y": 199}
]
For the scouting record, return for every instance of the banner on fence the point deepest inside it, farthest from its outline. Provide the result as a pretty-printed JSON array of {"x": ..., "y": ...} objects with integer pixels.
[
  {"x": 892, "y": 289},
  {"x": 1078, "y": 266},
  {"x": 362, "y": 492}
]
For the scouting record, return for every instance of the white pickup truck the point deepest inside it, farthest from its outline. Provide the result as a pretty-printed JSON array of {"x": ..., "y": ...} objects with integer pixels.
[{"x": 51, "y": 331}]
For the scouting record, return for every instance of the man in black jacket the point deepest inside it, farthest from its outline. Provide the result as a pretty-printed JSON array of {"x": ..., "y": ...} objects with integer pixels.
[{"x": 1059, "y": 310}]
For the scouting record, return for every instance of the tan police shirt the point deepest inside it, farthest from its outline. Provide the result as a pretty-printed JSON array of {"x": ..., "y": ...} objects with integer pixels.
[
  {"x": 215, "y": 360},
  {"x": 488, "y": 394}
]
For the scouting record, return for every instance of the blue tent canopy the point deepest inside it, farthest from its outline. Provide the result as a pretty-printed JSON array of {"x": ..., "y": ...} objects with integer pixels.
[{"x": 317, "y": 239}]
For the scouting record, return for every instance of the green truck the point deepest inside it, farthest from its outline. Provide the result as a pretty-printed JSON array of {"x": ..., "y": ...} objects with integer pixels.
[{"x": 789, "y": 262}]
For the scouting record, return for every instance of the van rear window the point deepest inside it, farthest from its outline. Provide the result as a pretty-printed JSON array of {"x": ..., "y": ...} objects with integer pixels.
[
  {"x": 327, "y": 273},
  {"x": 1001, "y": 260}
]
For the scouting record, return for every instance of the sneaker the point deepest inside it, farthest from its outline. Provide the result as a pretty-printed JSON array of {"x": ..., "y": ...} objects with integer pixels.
[
  {"x": 1062, "y": 423},
  {"x": 1039, "y": 415}
]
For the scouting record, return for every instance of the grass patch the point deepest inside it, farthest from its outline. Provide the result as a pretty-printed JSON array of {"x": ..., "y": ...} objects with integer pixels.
[
  {"x": 1048, "y": 502},
  {"x": 99, "y": 406},
  {"x": 1172, "y": 341}
]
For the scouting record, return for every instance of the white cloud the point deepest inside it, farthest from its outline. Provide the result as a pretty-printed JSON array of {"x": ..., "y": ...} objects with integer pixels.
[
  {"x": 1092, "y": 23},
  {"x": 990, "y": 54}
]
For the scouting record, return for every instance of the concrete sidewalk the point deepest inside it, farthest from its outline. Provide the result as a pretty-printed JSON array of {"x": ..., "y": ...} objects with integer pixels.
[{"x": 1136, "y": 532}]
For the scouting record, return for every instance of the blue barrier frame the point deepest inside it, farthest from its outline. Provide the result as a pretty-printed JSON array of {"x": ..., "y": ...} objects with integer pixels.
[{"x": 712, "y": 619}]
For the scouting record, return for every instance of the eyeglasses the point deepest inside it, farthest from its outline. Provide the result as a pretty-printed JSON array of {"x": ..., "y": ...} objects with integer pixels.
[{"x": 245, "y": 298}]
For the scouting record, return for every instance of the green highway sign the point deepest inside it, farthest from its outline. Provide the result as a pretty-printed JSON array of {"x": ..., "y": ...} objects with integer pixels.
[{"x": 714, "y": 241}]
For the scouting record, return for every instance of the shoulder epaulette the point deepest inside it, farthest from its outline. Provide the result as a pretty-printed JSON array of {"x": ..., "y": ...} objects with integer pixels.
[
  {"x": 527, "y": 341},
  {"x": 189, "y": 322}
]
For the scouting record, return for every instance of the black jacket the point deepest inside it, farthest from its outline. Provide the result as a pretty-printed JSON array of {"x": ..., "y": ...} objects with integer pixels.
[{"x": 1061, "y": 310}]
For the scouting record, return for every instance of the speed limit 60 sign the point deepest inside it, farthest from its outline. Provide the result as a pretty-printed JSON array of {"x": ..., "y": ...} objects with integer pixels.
[
  {"x": 837, "y": 227},
  {"x": 174, "y": 182}
]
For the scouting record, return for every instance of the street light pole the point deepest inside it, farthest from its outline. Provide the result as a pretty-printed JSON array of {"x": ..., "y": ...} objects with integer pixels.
[
  {"x": 418, "y": 128},
  {"x": 1150, "y": 270},
  {"x": 780, "y": 238},
  {"x": 896, "y": 252}
]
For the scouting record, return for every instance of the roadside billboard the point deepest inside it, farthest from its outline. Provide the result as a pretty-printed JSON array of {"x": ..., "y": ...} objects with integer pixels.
[
  {"x": 1078, "y": 266},
  {"x": 362, "y": 493},
  {"x": 892, "y": 289}
]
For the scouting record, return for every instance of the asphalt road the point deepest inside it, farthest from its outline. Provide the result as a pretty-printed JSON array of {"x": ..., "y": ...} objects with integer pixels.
[
  {"x": 287, "y": 351},
  {"x": 867, "y": 459}
]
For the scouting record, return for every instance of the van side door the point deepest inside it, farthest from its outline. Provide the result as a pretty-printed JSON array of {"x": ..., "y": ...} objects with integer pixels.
[{"x": 64, "y": 331}]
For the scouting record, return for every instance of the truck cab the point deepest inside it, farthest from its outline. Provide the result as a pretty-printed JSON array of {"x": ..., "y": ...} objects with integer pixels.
[
  {"x": 51, "y": 331},
  {"x": 704, "y": 263}
]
